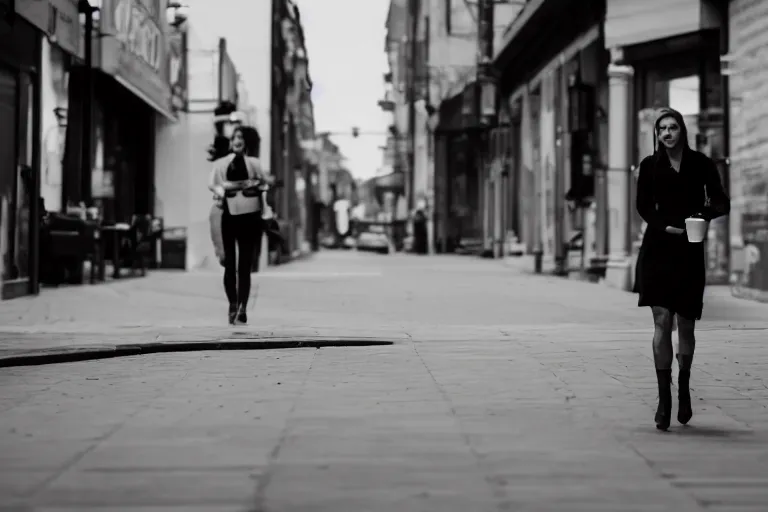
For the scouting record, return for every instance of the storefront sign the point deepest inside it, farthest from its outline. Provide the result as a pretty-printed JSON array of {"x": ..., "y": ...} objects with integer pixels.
[
  {"x": 134, "y": 49},
  {"x": 629, "y": 22},
  {"x": 177, "y": 69},
  {"x": 229, "y": 78},
  {"x": 58, "y": 19}
]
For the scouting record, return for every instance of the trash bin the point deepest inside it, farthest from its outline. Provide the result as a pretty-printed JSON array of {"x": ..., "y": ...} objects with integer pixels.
[{"x": 174, "y": 249}]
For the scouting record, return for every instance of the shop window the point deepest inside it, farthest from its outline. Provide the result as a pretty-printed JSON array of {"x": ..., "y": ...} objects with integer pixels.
[
  {"x": 54, "y": 119},
  {"x": 684, "y": 97},
  {"x": 16, "y": 184}
]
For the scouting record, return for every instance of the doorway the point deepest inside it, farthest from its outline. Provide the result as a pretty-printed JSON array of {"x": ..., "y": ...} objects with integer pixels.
[{"x": 17, "y": 181}]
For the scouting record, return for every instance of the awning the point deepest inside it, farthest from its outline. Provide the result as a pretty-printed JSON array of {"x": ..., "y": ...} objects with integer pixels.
[
  {"x": 164, "y": 111},
  {"x": 547, "y": 25},
  {"x": 451, "y": 118},
  {"x": 392, "y": 181}
]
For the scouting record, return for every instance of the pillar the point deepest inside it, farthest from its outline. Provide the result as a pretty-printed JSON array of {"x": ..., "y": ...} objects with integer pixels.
[
  {"x": 620, "y": 80},
  {"x": 526, "y": 194}
]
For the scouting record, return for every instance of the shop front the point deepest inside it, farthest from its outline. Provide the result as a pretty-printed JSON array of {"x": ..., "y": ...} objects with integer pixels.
[
  {"x": 745, "y": 66},
  {"x": 668, "y": 60},
  {"x": 548, "y": 155},
  {"x": 25, "y": 113},
  {"x": 130, "y": 91},
  {"x": 458, "y": 223}
]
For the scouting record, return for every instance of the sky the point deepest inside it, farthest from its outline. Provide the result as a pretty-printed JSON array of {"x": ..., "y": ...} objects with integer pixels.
[{"x": 345, "y": 46}]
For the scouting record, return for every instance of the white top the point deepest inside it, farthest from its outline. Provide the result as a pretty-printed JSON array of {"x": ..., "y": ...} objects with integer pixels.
[
  {"x": 341, "y": 207},
  {"x": 238, "y": 204}
]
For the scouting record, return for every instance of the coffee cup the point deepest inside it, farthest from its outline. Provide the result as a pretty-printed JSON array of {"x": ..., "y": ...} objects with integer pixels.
[{"x": 696, "y": 229}]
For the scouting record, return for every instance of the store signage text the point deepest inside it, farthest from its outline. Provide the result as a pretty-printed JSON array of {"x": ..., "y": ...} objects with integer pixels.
[{"x": 139, "y": 32}]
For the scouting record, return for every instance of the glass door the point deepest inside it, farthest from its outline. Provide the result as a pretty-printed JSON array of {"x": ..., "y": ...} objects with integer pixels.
[
  {"x": 8, "y": 106},
  {"x": 24, "y": 186}
]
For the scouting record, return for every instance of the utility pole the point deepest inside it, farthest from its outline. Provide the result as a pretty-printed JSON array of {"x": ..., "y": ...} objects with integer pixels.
[
  {"x": 485, "y": 27},
  {"x": 84, "y": 194},
  {"x": 486, "y": 115},
  {"x": 413, "y": 29},
  {"x": 485, "y": 36}
]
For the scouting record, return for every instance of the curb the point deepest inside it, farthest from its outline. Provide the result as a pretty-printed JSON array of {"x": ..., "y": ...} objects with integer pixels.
[{"x": 75, "y": 354}]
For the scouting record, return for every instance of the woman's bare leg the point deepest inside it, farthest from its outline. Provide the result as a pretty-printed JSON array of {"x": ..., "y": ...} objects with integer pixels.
[
  {"x": 662, "y": 356},
  {"x": 687, "y": 345}
]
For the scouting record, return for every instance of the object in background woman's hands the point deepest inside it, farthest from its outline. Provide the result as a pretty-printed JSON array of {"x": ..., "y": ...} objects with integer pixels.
[{"x": 214, "y": 219}]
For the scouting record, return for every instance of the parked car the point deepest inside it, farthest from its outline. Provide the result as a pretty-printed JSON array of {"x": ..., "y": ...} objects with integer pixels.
[{"x": 374, "y": 239}]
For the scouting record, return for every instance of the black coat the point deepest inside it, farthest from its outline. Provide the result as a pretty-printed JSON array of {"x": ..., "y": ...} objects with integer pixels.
[{"x": 670, "y": 270}]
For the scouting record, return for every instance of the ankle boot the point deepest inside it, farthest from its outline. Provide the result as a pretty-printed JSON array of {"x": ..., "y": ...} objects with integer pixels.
[
  {"x": 232, "y": 314},
  {"x": 684, "y": 410},
  {"x": 242, "y": 316},
  {"x": 664, "y": 411}
]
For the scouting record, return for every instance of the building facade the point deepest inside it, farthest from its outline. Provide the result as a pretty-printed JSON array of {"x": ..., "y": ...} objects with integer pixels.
[
  {"x": 557, "y": 170},
  {"x": 583, "y": 111},
  {"x": 745, "y": 70},
  {"x": 40, "y": 43},
  {"x": 130, "y": 89},
  {"x": 468, "y": 203},
  {"x": 662, "y": 54},
  {"x": 293, "y": 120}
]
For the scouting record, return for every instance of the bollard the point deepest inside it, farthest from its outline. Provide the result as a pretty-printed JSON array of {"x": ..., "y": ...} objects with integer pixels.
[{"x": 538, "y": 256}]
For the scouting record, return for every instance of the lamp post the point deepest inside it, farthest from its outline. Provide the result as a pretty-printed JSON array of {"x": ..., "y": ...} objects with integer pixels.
[
  {"x": 84, "y": 7},
  {"x": 301, "y": 67},
  {"x": 486, "y": 78}
]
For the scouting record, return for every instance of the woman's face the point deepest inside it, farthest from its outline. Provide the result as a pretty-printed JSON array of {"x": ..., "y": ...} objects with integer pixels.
[
  {"x": 669, "y": 132},
  {"x": 238, "y": 142}
]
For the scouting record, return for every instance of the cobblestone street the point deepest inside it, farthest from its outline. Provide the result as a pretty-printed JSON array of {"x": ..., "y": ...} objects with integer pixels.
[{"x": 502, "y": 391}]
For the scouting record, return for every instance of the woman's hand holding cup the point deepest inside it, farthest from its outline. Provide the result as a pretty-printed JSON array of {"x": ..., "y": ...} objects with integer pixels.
[{"x": 672, "y": 230}]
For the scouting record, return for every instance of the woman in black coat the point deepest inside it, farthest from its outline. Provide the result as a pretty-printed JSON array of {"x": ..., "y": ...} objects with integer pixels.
[{"x": 675, "y": 183}]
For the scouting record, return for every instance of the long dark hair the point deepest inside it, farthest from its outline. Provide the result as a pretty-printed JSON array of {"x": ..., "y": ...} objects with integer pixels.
[{"x": 251, "y": 138}]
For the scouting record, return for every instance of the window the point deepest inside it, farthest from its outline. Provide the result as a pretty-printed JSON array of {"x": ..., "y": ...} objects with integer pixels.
[{"x": 448, "y": 8}]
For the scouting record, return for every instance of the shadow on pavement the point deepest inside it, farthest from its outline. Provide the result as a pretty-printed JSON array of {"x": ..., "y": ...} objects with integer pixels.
[{"x": 74, "y": 354}]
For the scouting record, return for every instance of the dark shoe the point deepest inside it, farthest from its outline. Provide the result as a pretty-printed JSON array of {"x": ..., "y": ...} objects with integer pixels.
[
  {"x": 685, "y": 409},
  {"x": 232, "y": 314},
  {"x": 242, "y": 316},
  {"x": 664, "y": 411}
]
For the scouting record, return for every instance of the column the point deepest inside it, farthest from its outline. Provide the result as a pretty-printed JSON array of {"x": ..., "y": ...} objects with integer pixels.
[
  {"x": 526, "y": 194},
  {"x": 620, "y": 80}
]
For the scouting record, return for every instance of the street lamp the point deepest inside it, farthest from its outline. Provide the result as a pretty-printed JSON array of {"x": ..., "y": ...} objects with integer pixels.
[
  {"x": 486, "y": 80},
  {"x": 468, "y": 105},
  {"x": 85, "y": 8}
]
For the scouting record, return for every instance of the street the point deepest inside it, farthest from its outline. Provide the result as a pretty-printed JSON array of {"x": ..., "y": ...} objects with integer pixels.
[{"x": 498, "y": 391}]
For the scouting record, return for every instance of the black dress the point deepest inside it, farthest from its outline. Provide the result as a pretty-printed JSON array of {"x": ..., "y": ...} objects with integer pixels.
[{"x": 670, "y": 270}]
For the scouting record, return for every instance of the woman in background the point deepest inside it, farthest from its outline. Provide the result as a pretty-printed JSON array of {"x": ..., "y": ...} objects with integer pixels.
[{"x": 239, "y": 180}]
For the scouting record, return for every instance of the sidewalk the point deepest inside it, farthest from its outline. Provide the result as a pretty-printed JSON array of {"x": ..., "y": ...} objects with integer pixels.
[
  {"x": 501, "y": 392},
  {"x": 349, "y": 296}
]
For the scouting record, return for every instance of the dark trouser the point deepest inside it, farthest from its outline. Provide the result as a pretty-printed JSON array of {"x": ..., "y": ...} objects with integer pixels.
[{"x": 243, "y": 231}]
